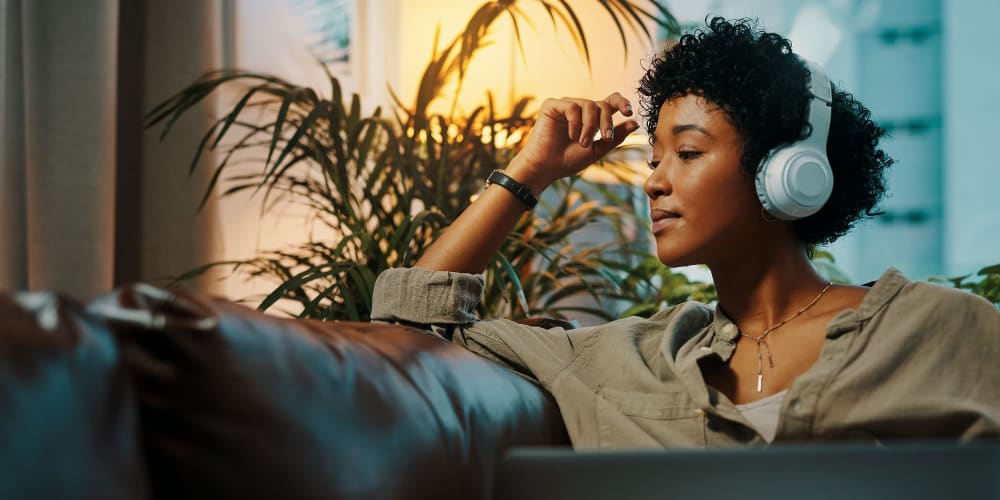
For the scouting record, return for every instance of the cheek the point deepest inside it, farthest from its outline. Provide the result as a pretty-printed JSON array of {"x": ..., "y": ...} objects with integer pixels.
[
  {"x": 723, "y": 200},
  {"x": 743, "y": 195},
  {"x": 742, "y": 204}
]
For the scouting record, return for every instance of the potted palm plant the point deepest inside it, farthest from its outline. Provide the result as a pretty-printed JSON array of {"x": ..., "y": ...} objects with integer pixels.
[{"x": 386, "y": 183}]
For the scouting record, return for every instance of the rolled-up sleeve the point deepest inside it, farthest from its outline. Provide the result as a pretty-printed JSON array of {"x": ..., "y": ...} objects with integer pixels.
[
  {"x": 444, "y": 303},
  {"x": 426, "y": 297}
]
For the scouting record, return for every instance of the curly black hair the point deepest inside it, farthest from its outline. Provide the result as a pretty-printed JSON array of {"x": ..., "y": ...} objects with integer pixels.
[{"x": 762, "y": 86}]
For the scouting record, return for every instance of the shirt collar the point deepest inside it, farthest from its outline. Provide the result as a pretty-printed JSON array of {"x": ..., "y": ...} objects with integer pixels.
[
  {"x": 724, "y": 335},
  {"x": 725, "y": 329},
  {"x": 882, "y": 291},
  {"x": 726, "y": 332}
]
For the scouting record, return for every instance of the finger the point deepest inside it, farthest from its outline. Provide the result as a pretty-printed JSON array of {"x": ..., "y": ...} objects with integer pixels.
[
  {"x": 564, "y": 111},
  {"x": 607, "y": 127},
  {"x": 574, "y": 117},
  {"x": 620, "y": 103},
  {"x": 590, "y": 122},
  {"x": 622, "y": 130}
]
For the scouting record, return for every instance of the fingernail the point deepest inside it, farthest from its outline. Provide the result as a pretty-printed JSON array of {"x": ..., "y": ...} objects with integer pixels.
[
  {"x": 585, "y": 142},
  {"x": 628, "y": 106},
  {"x": 609, "y": 134}
]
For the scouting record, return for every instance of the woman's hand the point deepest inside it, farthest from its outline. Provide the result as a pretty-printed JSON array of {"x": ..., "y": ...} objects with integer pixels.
[{"x": 561, "y": 142}]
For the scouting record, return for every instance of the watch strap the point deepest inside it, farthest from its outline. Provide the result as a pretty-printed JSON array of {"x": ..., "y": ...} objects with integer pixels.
[{"x": 519, "y": 190}]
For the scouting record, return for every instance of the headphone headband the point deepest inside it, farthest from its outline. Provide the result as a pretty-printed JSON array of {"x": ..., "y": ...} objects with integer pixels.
[{"x": 819, "y": 105}]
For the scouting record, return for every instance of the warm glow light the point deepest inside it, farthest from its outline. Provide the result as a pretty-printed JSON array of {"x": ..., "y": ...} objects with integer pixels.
[
  {"x": 553, "y": 66},
  {"x": 436, "y": 132},
  {"x": 501, "y": 137},
  {"x": 514, "y": 138}
]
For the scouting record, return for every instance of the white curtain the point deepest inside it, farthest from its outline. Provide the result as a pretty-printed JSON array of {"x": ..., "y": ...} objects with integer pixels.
[{"x": 87, "y": 199}]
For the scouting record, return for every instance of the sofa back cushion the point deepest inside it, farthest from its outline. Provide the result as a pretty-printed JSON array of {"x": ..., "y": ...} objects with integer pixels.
[
  {"x": 68, "y": 419},
  {"x": 238, "y": 404}
]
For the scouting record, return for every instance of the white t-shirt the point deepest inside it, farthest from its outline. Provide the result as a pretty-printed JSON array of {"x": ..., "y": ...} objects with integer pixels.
[{"x": 763, "y": 414}]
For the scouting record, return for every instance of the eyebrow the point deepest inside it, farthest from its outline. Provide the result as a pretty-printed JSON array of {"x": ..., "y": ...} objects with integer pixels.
[
  {"x": 681, "y": 128},
  {"x": 690, "y": 126}
]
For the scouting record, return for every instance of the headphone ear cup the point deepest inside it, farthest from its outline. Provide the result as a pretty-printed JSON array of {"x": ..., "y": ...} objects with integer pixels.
[
  {"x": 761, "y": 185},
  {"x": 794, "y": 182}
]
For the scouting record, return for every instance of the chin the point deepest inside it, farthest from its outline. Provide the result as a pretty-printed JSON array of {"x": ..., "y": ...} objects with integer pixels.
[
  {"x": 674, "y": 258},
  {"x": 686, "y": 249}
]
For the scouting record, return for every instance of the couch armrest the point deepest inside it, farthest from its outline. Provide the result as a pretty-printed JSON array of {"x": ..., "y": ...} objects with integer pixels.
[{"x": 68, "y": 415}]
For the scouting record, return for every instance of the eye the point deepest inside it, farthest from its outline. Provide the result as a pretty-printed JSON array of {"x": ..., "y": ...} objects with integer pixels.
[
  {"x": 688, "y": 154},
  {"x": 653, "y": 164}
]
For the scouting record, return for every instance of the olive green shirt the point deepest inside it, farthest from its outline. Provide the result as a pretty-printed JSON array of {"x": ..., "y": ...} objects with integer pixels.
[{"x": 915, "y": 360}]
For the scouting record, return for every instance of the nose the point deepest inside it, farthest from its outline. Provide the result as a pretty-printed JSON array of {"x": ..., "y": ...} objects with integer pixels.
[{"x": 657, "y": 184}]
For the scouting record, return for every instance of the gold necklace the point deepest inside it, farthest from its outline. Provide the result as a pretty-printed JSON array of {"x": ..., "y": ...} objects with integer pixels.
[{"x": 760, "y": 339}]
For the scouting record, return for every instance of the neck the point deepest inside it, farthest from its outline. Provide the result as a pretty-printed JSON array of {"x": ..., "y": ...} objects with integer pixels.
[{"x": 762, "y": 289}]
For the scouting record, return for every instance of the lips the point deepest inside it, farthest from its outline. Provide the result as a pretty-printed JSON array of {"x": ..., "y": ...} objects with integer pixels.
[{"x": 663, "y": 219}]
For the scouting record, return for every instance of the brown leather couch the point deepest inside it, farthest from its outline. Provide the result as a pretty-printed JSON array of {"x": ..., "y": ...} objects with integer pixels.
[{"x": 145, "y": 393}]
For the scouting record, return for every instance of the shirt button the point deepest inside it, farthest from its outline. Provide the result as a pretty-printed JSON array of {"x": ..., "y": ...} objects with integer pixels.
[
  {"x": 798, "y": 406},
  {"x": 699, "y": 412},
  {"x": 729, "y": 329},
  {"x": 803, "y": 404}
]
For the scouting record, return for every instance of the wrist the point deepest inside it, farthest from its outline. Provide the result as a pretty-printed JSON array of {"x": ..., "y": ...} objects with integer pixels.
[{"x": 525, "y": 174}]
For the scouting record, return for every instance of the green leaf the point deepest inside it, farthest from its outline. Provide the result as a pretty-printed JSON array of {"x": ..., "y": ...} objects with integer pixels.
[
  {"x": 236, "y": 113},
  {"x": 580, "y": 33},
  {"x": 279, "y": 125},
  {"x": 302, "y": 130},
  {"x": 618, "y": 24},
  {"x": 989, "y": 270}
]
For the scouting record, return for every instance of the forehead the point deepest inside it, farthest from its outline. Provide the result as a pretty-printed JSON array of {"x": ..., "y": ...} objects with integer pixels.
[{"x": 695, "y": 110}]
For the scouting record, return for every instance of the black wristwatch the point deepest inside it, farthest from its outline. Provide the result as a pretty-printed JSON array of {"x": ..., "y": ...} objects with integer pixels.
[{"x": 519, "y": 190}]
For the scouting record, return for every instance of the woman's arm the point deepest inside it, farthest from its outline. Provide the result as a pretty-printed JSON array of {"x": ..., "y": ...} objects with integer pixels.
[{"x": 558, "y": 146}]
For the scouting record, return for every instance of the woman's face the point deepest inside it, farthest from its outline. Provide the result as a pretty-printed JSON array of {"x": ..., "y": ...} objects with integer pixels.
[{"x": 704, "y": 209}]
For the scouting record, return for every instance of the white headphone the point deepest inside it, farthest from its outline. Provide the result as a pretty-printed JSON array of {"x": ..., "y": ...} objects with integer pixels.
[{"x": 794, "y": 181}]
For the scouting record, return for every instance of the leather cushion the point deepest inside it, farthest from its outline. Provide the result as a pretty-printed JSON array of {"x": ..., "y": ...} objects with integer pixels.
[{"x": 238, "y": 404}]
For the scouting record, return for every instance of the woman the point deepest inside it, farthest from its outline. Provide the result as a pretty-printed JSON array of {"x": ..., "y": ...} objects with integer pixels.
[{"x": 786, "y": 355}]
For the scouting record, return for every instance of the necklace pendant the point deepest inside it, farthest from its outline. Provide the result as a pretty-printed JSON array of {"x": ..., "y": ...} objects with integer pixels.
[{"x": 760, "y": 382}]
